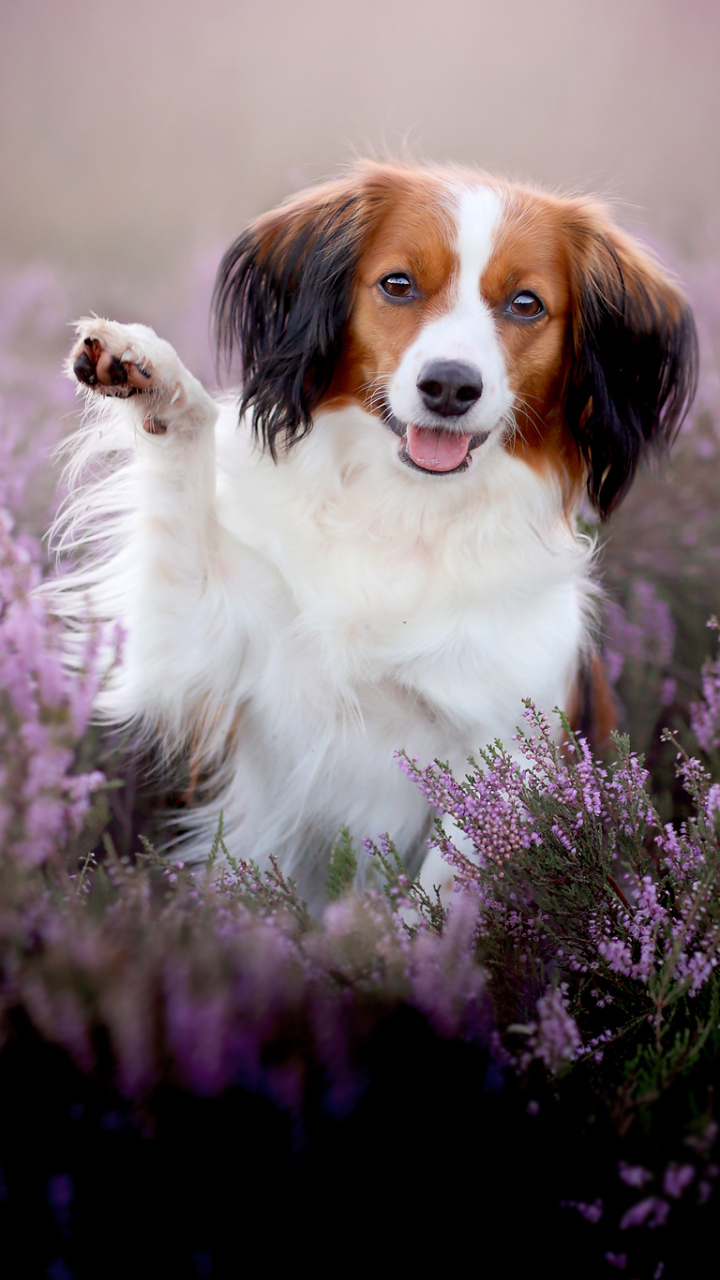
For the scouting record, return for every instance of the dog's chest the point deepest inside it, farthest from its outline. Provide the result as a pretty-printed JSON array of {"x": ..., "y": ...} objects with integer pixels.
[{"x": 444, "y": 628}]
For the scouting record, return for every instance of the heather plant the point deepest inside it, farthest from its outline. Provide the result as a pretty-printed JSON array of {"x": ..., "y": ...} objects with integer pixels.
[
  {"x": 638, "y": 652},
  {"x": 579, "y": 955},
  {"x": 44, "y": 715},
  {"x": 574, "y": 874},
  {"x": 35, "y": 399},
  {"x": 599, "y": 927},
  {"x": 197, "y": 977}
]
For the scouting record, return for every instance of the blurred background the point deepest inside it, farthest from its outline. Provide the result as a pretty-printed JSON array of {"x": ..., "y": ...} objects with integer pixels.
[
  {"x": 134, "y": 133},
  {"x": 137, "y": 139}
]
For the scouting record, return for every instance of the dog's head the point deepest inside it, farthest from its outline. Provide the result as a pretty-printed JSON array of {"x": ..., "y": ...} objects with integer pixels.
[{"x": 455, "y": 307}]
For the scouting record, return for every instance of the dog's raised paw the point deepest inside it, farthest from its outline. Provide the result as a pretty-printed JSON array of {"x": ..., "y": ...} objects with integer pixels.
[
  {"x": 109, "y": 358},
  {"x": 116, "y": 360}
]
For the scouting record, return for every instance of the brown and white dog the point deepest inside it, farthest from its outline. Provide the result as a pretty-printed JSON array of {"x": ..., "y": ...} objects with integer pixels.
[{"x": 383, "y": 553}]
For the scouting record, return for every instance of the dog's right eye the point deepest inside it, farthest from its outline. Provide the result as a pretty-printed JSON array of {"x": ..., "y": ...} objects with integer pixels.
[{"x": 397, "y": 285}]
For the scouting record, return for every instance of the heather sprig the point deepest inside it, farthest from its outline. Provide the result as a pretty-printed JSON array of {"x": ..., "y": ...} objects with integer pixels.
[
  {"x": 416, "y": 908},
  {"x": 705, "y": 714},
  {"x": 271, "y": 893}
]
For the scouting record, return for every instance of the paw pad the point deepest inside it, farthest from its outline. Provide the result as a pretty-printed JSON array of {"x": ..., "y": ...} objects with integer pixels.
[{"x": 98, "y": 367}]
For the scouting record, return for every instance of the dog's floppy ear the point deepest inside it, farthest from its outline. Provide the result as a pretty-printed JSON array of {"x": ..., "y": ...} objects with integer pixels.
[
  {"x": 634, "y": 363},
  {"x": 282, "y": 296}
]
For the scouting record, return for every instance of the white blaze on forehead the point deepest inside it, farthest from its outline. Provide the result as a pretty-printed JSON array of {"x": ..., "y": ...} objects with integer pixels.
[{"x": 479, "y": 210}]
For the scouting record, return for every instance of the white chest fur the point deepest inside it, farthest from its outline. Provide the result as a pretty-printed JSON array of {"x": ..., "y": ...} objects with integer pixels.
[{"x": 468, "y": 599}]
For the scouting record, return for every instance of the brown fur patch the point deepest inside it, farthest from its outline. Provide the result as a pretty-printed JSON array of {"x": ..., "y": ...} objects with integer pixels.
[
  {"x": 412, "y": 232},
  {"x": 532, "y": 252},
  {"x": 592, "y": 709}
]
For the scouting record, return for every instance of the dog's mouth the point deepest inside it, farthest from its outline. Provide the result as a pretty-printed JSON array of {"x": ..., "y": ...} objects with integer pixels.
[{"x": 431, "y": 449}]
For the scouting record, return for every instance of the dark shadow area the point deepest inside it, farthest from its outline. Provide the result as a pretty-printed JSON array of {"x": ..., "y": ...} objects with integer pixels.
[{"x": 439, "y": 1164}]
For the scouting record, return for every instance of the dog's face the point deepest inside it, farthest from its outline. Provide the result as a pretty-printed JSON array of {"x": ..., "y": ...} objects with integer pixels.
[
  {"x": 455, "y": 307},
  {"x": 457, "y": 328}
]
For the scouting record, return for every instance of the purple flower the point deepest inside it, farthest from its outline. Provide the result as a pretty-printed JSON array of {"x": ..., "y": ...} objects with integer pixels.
[
  {"x": 676, "y": 1178},
  {"x": 644, "y": 634},
  {"x": 445, "y": 981},
  {"x": 634, "y": 1174},
  {"x": 618, "y": 1260},
  {"x": 556, "y": 1041},
  {"x": 705, "y": 715},
  {"x": 650, "y": 1212},
  {"x": 590, "y": 1212},
  {"x": 44, "y": 711}
]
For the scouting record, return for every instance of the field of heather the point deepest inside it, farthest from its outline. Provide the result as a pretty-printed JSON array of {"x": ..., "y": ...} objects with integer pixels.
[{"x": 561, "y": 1019}]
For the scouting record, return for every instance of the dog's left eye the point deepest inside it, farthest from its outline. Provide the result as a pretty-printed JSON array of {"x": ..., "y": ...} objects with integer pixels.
[
  {"x": 397, "y": 285},
  {"x": 526, "y": 304}
]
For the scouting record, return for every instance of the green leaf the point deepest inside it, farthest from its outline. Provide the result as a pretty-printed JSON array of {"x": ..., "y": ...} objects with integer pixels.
[{"x": 341, "y": 868}]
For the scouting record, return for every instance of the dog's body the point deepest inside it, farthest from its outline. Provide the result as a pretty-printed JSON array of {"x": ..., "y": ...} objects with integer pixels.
[{"x": 469, "y": 355}]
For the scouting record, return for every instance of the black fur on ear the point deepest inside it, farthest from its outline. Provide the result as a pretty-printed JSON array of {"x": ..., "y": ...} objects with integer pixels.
[
  {"x": 634, "y": 370},
  {"x": 282, "y": 296}
]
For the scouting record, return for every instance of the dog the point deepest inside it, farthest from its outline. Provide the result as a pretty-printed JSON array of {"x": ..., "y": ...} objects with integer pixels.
[{"x": 381, "y": 551}]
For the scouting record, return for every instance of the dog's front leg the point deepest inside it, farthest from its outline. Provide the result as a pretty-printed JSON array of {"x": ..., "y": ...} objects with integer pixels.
[{"x": 161, "y": 568}]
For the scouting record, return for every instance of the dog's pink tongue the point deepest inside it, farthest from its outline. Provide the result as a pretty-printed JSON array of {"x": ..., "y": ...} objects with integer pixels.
[{"x": 436, "y": 450}]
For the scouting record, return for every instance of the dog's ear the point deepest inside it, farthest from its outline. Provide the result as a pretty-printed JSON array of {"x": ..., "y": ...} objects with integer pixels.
[
  {"x": 282, "y": 296},
  {"x": 634, "y": 355}
]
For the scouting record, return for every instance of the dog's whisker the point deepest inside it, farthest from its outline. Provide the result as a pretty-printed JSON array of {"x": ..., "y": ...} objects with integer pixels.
[{"x": 532, "y": 414}]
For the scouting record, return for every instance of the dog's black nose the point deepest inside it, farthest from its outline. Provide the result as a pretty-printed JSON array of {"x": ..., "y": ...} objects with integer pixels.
[{"x": 449, "y": 387}]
